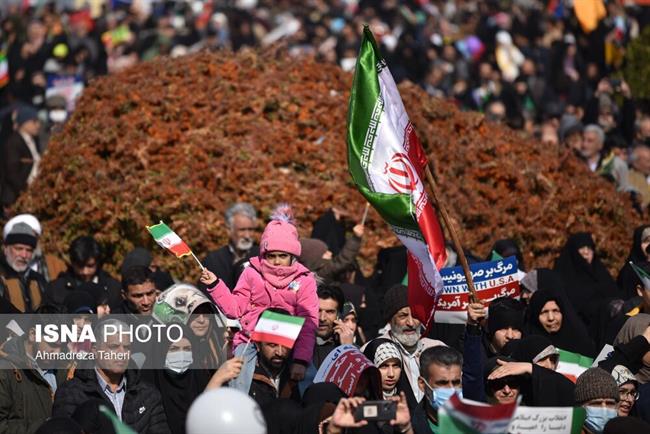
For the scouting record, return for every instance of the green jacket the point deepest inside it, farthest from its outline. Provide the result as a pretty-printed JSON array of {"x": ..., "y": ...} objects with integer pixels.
[{"x": 25, "y": 397}]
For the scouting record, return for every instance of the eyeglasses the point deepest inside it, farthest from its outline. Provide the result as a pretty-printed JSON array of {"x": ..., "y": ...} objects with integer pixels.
[{"x": 623, "y": 393}]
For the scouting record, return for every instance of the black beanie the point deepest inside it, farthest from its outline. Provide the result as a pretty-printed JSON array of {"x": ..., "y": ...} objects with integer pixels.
[
  {"x": 21, "y": 233},
  {"x": 504, "y": 313},
  {"x": 395, "y": 299}
]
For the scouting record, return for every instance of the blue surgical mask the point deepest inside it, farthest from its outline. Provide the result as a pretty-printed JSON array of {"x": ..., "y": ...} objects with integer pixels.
[
  {"x": 440, "y": 395},
  {"x": 597, "y": 418}
]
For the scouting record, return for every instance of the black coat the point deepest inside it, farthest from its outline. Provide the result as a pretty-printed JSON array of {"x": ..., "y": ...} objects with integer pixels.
[
  {"x": 220, "y": 262},
  {"x": 142, "y": 410},
  {"x": 16, "y": 164},
  {"x": 30, "y": 289},
  {"x": 67, "y": 281}
]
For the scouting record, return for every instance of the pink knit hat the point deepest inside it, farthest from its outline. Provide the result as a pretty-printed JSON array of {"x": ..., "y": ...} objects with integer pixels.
[{"x": 280, "y": 234}]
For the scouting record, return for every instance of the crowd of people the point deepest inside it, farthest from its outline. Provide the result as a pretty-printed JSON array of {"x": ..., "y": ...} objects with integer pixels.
[
  {"x": 548, "y": 68},
  {"x": 507, "y": 351},
  {"x": 553, "y": 69}
]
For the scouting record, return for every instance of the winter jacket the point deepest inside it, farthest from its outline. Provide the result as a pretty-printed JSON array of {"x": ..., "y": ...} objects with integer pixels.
[
  {"x": 25, "y": 291},
  {"x": 251, "y": 297},
  {"x": 67, "y": 281},
  {"x": 330, "y": 270},
  {"x": 222, "y": 263},
  {"x": 16, "y": 164},
  {"x": 142, "y": 410},
  {"x": 25, "y": 396}
]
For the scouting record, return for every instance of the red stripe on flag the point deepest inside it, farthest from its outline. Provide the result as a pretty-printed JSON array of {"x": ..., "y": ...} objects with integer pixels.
[
  {"x": 490, "y": 412},
  {"x": 272, "y": 339},
  {"x": 180, "y": 249}
]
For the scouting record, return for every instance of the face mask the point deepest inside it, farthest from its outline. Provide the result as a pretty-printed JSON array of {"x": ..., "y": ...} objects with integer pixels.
[
  {"x": 440, "y": 395},
  {"x": 58, "y": 116},
  {"x": 597, "y": 418},
  {"x": 178, "y": 361}
]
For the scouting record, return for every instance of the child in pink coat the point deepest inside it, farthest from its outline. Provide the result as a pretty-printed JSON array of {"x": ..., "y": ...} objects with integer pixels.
[{"x": 274, "y": 279}]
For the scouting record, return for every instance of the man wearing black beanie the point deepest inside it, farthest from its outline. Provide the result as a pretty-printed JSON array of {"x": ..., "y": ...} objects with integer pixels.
[{"x": 20, "y": 286}]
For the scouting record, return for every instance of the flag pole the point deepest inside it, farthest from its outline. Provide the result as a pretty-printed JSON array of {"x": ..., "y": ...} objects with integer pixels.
[
  {"x": 197, "y": 261},
  {"x": 452, "y": 231},
  {"x": 365, "y": 214}
]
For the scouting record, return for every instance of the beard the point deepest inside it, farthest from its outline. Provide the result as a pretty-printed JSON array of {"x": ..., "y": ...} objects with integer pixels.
[
  {"x": 18, "y": 265},
  {"x": 244, "y": 244},
  {"x": 406, "y": 339}
]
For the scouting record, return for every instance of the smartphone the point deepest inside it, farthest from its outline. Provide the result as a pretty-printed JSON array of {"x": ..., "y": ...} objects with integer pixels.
[{"x": 376, "y": 411}]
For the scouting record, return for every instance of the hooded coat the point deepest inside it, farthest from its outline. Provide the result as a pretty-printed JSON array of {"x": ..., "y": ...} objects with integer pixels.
[
  {"x": 627, "y": 279},
  {"x": 253, "y": 295},
  {"x": 588, "y": 286},
  {"x": 572, "y": 336}
]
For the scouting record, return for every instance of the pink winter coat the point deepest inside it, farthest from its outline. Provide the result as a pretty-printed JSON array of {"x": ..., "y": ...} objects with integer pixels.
[{"x": 252, "y": 296}]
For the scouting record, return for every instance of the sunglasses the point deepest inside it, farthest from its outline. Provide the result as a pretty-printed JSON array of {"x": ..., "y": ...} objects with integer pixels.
[{"x": 498, "y": 384}]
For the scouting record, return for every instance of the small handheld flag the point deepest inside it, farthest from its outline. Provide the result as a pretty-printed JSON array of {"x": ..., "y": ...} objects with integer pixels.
[
  {"x": 168, "y": 239},
  {"x": 643, "y": 276},
  {"x": 277, "y": 328}
]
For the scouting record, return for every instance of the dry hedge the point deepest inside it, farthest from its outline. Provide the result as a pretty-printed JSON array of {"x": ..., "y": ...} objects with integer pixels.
[{"x": 180, "y": 139}]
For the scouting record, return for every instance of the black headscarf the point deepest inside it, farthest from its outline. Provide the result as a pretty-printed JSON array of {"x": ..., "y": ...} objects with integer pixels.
[
  {"x": 627, "y": 279},
  {"x": 508, "y": 247},
  {"x": 178, "y": 391},
  {"x": 588, "y": 285},
  {"x": 329, "y": 230},
  {"x": 403, "y": 384},
  {"x": 527, "y": 348},
  {"x": 318, "y": 402},
  {"x": 572, "y": 336}
]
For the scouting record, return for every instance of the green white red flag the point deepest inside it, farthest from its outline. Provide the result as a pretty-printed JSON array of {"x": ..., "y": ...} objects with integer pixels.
[
  {"x": 277, "y": 328},
  {"x": 168, "y": 239},
  {"x": 643, "y": 276},
  {"x": 387, "y": 163},
  {"x": 462, "y": 416},
  {"x": 572, "y": 365}
]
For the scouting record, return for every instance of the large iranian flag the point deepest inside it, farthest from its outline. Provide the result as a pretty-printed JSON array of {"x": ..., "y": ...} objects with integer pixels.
[{"x": 387, "y": 164}]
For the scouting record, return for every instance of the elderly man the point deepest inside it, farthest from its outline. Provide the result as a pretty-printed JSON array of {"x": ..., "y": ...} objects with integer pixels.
[
  {"x": 406, "y": 332},
  {"x": 21, "y": 287},
  {"x": 610, "y": 166},
  {"x": 241, "y": 220},
  {"x": 640, "y": 173}
]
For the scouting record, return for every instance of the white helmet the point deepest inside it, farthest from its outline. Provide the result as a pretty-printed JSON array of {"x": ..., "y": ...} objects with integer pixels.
[{"x": 225, "y": 410}]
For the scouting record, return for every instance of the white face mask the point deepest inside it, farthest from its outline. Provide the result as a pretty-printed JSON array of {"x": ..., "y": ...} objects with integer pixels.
[
  {"x": 58, "y": 116},
  {"x": 178, "y": 361}
]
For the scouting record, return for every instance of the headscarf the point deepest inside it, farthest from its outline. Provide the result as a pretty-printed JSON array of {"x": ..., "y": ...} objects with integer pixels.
[
  {"x": 627, "y": 279},
  {"x": 589, "y": 284},
  {"x": 572, "y": 336},
  {"x": 508, "y": 247},
  {"x": 530, "y": 349},
  {"x": 632, "y": 328},
  {"x": 178, "y": 391},
  {"x": 381, "y": 349}
]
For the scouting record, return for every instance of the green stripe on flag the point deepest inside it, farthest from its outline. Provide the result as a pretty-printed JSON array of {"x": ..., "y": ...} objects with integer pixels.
[
  {"x": 642, "y": 275},
  {"x": 450, "y": 425},
  {"x": 363, "y": 99},
  {"x": 160, "y": 230},
  {"x": 119, "y": 426},
  {"x": 578, "y": 359},
  {"x": 274, "y": 316},
  {"x": 391, "y": 208},
  {"x": 579, "y": 415}
]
